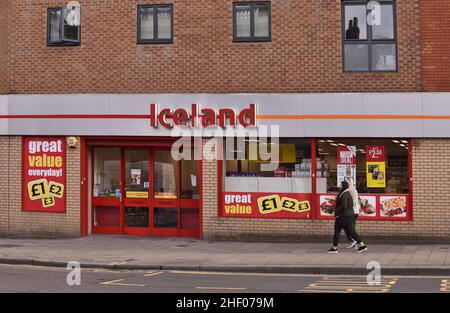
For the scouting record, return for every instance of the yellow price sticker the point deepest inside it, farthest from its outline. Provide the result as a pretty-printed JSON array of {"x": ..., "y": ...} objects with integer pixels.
[
  {"x": 56, "y": 190},
  {"x": 48, "y": 202},
  {"x": 289, "y": 204},
  {"x": 270, "y": 204},
  {"x": 38, "y": 189},
  {"x": 304, "y": 206}
]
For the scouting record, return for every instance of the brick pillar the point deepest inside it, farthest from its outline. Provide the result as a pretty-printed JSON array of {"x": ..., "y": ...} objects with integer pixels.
[
  {"x": 209, "y": 187},
  {"x": 4, "y": 185}
]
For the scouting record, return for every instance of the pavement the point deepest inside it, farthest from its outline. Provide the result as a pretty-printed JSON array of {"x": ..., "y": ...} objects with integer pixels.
[{"x": 143, "y": 253}]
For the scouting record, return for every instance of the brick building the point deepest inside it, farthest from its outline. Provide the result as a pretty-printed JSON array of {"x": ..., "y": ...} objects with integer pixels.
[{"x": 90, "y": 92}]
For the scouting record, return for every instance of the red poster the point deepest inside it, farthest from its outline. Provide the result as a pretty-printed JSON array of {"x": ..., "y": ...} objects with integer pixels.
[
  {"x": 378, "y": 207},
  {"x": 44, "y": 174},
  {"x": 375, "y": 154},
  {"x": 266, "y": 205},
  {"x": 346, "y": 155}
]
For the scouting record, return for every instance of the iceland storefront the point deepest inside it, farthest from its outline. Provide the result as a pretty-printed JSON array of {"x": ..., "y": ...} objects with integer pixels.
[{"x": 223, "y": 166}]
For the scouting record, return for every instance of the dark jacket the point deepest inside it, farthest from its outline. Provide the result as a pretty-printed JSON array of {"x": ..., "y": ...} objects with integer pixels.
[{"x": 344, "y": 204}]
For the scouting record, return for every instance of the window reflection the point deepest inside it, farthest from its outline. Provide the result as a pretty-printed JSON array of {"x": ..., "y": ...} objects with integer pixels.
[
  {"x": 165, "y": 175},
  {"x": 386, "y": 29},
  {"x": 136, "y": 173},
  {"x": 106, "y": 172},
  {"x": 356, "y": 22}
]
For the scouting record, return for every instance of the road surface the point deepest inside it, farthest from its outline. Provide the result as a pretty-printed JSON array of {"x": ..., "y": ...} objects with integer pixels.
[{"x": 14, "y": 278}]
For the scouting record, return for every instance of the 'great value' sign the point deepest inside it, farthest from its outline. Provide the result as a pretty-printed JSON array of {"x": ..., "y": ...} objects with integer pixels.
[
  {"x": 44, "y": 174},
  {"x": 266, "y": 205}
]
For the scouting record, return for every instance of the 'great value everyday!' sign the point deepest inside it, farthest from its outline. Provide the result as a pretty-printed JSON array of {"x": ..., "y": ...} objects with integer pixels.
[{"x": 44, "y": 174}]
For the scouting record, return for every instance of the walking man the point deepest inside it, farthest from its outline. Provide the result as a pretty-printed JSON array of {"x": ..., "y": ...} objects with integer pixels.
[{"x": 345, "y": 220}]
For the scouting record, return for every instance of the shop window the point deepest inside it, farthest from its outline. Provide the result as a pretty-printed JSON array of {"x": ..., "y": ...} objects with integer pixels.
[
  {"x": 63, "y": 27},
  {"x": 252, "y": 21},
  {"x": 165, "y": 180},
  {"x": 378, "y": 168},
  {"x": 155, "y": 24},
  {"x": 136, "y": 174},
  {"x": 369, "y": 35},
  {"x": 190, "y": 188},
  {"x": 107, "y": 172},
  {"x": 291, "y": 175}
]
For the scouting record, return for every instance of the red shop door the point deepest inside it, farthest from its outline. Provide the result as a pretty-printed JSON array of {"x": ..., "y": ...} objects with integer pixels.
[{"x": 158, "y": 196}]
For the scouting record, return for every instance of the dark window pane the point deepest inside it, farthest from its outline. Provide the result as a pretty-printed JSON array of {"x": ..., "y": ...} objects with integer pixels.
[
  {"x": 147, "y": 22},
  {"x": 356, "y": 57},
  {"x": 164, "y": 23},
  {"x": 262, "y": 24},
  {"x": 243, "y": 20},
  {"x": 55, "y": 25},
  {"x": 356, "y": 22},
  {"x": 136, "y": 217},
  {"x": 385, "y": 30},
  {"x": 384, "y": 57},
  {"x": 165, "y": 218},
  {"x": 71, "y": 33}
]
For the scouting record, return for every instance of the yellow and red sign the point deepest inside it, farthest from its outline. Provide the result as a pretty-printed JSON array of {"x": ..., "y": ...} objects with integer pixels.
[
  {"x": 44, "y": 174},
  {"x": 266, "y": 205},
  {"x": 375, "y": 167}
]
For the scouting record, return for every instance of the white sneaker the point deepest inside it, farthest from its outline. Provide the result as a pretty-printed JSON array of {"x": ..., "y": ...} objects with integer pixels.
[{"x": 352, "y": 244}]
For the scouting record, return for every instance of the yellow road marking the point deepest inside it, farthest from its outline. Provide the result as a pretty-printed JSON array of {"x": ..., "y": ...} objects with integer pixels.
[
  {"x": 220, "y": 288},
  {"x": 350, "y": 284},
  {"x": 117, "y": 282},
  {"x": 152, "y": 274},
  {"x": 318, "y": 291},
  {"x": 312, "y": 286},
  {"x": 363, "y": 282},
  {"x": 445, "y": 286}
]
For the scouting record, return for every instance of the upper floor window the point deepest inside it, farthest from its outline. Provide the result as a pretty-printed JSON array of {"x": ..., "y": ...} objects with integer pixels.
[
  {"x": 252, "y": 21},
  {"x": 155, "y": 24},
  {"x": 369, "y": 32},
  {"x": 63, "y": 26}
]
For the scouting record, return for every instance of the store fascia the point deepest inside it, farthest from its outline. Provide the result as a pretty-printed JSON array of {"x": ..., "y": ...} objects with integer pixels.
[{"x": 202, "y": 117}]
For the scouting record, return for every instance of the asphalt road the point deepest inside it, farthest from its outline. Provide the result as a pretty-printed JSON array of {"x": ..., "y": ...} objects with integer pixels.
[{"x": 48, "y": 280}]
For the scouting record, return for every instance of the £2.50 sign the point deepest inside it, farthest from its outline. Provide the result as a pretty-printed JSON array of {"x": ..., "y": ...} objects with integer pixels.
[{"x": 44, "y": 174}]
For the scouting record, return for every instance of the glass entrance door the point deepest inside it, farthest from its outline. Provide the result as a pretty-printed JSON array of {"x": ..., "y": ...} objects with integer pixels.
[
  {"x": 106, "y": 190},
  {"x": 166, "y": 189},
  {"x": 144, "y": 191},
  {"x": 136, "y": 211}
]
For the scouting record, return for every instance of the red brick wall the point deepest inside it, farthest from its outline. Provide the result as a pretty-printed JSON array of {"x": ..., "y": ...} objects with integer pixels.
[
  {"x": 305, "y": 54},
  {"x": 435, "y": 36},
  {"x": 4, "y": 46}
]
